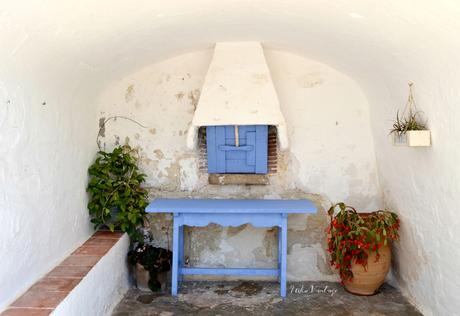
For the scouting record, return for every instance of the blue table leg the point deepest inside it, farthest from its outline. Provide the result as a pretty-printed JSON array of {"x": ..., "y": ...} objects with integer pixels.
[
  {"x": 283, "y": 256},
  {"x": 280, "y": 247},
  {"x": 175, "y": 258},
  {"x": 181, "y": 252}
]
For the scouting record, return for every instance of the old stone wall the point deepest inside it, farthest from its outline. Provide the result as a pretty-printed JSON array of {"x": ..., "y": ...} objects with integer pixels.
[{"x": 325, "y": 113}]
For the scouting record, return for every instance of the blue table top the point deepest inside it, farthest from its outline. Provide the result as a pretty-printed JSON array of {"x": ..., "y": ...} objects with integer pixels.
[{"x": 230, "y": 206}]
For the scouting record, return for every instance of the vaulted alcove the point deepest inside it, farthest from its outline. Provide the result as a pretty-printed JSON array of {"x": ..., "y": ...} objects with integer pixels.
[{"x": 66, "y": 64}]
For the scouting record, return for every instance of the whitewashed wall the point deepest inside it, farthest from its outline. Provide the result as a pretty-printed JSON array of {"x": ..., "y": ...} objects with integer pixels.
[
  {"x": 44, "y": 156},
  {"x": 423, "y": 184},
  {"x": 327, "y": 117},
  {"x": 331, "y": 153},
  {"x": 46, "y": 144}
]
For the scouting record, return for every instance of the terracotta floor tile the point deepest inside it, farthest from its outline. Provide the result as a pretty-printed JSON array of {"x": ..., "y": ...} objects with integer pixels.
[
  {"x": 55, "y": 284},
  {"x": 92, "y": 250},
  {"x": 69, "y": 272},
  {"x": 26, "y": 312},
  {"x": 80, "y": 260},
  {"x": 40, "y": 299}
]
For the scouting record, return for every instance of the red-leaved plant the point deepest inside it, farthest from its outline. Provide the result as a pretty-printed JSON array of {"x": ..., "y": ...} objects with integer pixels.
[{"x": 352, "y": 236}]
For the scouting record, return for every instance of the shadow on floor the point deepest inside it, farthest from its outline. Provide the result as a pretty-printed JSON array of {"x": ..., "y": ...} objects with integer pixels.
[{"x": 262, "y": 298}]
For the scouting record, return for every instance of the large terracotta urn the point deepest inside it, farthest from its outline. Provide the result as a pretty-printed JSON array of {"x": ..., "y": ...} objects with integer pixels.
[{"x": 367, "y": 281}]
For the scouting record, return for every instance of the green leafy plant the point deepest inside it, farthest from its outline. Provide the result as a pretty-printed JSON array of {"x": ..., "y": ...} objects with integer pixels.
[
  {"x": 352, "y": 236},
  {"x": 117, "y": 198},
  {"x": 153, "y": 259}
]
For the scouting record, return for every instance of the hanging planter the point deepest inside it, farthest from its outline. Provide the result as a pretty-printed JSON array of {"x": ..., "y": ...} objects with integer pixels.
[
  {"x": 412, "y": 138},
  {"x": 408, "y": 129}
]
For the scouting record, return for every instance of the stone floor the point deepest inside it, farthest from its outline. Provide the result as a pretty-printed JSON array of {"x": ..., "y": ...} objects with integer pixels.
[{"x": 261, "y": 298}]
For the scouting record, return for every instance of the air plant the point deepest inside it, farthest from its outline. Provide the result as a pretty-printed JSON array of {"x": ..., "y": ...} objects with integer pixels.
[
  {"x": 409, "y": 123},
  {"x": 411, "y": 120}
]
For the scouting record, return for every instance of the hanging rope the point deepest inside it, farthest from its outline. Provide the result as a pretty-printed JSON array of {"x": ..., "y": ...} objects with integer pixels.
[
  {"x": 410, "y": 119},
  {"x": 410, "y": 107}
]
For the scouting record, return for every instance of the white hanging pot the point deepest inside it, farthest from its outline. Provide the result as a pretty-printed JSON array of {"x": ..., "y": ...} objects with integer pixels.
[{"x": 413, "y": 138}]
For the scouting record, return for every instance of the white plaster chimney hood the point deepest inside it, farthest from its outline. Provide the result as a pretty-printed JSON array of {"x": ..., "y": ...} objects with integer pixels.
[{"x": 238, "y": 90}]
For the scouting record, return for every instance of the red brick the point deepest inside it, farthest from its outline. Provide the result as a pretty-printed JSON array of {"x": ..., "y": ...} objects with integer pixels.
[
  {"x": 40, "y": 299},
  {"x": 79, "y": 260},
  {"x": 26, "y": 312},
  {"x": 92, "y": 250},
  {"x": 69, "y": 272},
  {"x": 104, "y": 234},
  {"x": 55, "y": 284},
  {"x": 95, "y": 241}
]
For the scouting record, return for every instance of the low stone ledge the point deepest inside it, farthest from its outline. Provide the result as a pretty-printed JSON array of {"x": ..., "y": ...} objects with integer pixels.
[{"x": 43, "y": 297}]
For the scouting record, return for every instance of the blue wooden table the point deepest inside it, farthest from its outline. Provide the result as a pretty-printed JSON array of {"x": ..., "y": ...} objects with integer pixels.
[{"x": 201, "y": 212}]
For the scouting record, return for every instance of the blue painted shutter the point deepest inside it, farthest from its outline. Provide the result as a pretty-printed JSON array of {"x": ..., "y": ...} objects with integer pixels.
[{"x": 249, "y": 157}]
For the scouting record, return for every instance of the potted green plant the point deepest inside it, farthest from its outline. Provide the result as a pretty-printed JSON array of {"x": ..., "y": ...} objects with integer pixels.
[
  {"x": 117, "y": 198},
  {"x": 117, "y": 202},
  {"x": 149, "y": 263},
  {"x": 408, "y": 129},
  {"x": 358, "y": 244}
]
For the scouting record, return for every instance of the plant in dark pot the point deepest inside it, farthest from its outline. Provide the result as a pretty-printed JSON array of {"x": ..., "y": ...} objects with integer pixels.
[
  {"x": 149, "y": 263},
  {"x": 359, "y": 245},
  {"x": 118, "y": 201},
  {"x": 117, "y": 198}
]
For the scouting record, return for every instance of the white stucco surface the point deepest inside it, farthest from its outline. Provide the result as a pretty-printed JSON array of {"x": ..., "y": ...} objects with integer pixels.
[
  {"x": 47, "y": 141},
  {"x": 238, "y": 90},
  {"x": 64, "y": 52},
  {"x": 102, "y": 288},
  {"x": 422, "y": 185}
]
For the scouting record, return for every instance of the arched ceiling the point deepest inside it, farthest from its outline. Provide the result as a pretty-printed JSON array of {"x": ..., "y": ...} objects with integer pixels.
[{"x": 103, "y": 40}]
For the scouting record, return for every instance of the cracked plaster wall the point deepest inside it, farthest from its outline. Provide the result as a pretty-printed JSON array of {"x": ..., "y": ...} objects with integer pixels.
[{"x": 326, "y": 113}]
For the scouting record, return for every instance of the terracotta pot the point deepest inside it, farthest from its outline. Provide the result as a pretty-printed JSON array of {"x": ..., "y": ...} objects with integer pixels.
[
  {"x": 367, "y": 282},
  {"x": 165, "y": 279},
  {"x": 142, "y": 278}
]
